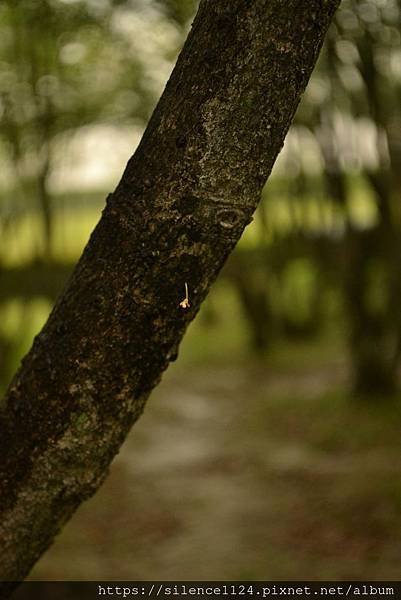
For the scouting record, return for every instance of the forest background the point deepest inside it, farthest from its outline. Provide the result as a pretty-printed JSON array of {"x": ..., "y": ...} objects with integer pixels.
[{"x": 279, "y": 424}]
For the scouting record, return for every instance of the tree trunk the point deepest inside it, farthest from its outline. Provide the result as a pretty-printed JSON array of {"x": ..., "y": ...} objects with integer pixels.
[
  {"x": 253, "y": 293},
  {"x": 182, "y": 204}
]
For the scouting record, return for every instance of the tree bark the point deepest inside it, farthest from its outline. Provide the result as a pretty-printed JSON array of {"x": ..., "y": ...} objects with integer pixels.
[{"x": 182, "y": 203}]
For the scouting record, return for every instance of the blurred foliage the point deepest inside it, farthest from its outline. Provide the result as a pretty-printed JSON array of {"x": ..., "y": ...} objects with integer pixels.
[
  {"x": 320, "y": 260},
  {"x": 180, "y": 11},
  {"x": 64, "y": 66},
  {"x": 339, "y": 204}
]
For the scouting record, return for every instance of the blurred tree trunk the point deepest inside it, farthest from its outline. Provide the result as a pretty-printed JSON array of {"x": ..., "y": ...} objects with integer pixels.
[
  {"x": 371, "y": 274},
  {"x": 373, "y": 329},
  {"x": 379, "y": 336},
  {"x": 252, "y": 289},
  {"x": 372, "y": 286},
  {"x": 182, "y": 204}
]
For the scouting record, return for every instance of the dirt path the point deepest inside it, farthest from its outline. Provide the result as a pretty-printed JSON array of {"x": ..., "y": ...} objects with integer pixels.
[{"x": 236, "y": 473}]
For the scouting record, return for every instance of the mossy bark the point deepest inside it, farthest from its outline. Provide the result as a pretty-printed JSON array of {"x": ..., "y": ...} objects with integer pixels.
[{"x": 182, "y": 203}]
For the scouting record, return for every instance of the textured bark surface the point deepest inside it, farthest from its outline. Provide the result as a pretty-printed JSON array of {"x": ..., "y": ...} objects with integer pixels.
[{"x": 181, "y": 206}]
